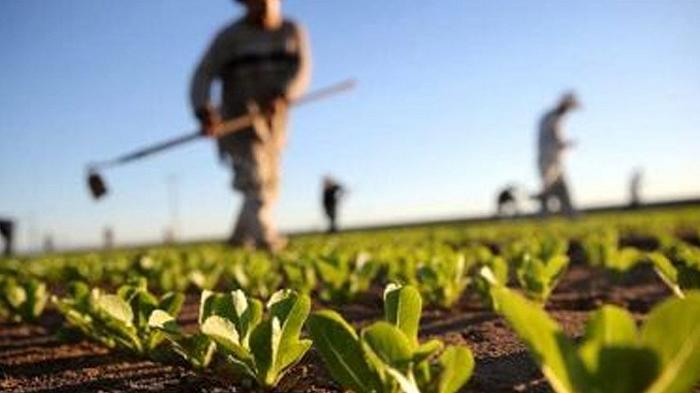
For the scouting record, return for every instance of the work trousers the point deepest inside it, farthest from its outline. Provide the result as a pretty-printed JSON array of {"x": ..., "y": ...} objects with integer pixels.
[{"x": 254, "y": 155}]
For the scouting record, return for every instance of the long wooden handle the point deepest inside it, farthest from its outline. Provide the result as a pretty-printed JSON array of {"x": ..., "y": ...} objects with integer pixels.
[
  {"x": 228, "y": 127},
  {"x": 245, "y": 121}
]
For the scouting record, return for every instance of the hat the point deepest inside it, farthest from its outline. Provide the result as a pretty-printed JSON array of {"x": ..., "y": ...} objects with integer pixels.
[{"x": 569, "y": 100}]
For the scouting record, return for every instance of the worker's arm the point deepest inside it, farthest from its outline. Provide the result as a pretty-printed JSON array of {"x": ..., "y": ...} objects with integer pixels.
[
  {"x": 200, "y": 88},
  {"x": 302, "y": 75}
]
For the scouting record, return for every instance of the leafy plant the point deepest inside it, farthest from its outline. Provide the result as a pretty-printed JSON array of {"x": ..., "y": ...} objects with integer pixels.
[
  {"x": 344, "y": 277},
  {"x": 262, "y": 348},
  {"x": 197, "y": 349},
  {"x": 255, "y": 274},
  {"x": 443, "y": 278},
  {"x": 499, "y": 272},
  {"x": 538, "y": 277},
  {"x": 680, "y": 274},
  {"x": 121, "y": 319},
  {"x": 387, "y": 357},
  {"x": 613, "y": 355},
  {"x": 601, "y": 249},
  {"x": 300, "y": 276},
  {"x": 22, "y": 299}
]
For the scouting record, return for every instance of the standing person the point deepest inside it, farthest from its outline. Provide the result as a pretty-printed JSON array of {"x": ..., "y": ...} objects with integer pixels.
[
  {"x": 332, "y": 192},
  {"x": 635, "y": 188},
  {"x": 507, "y": 202},
  {"x": 7, "y": 231},
  {"x": 551, "y": 144},
  {"x": 262, "y": 61}
]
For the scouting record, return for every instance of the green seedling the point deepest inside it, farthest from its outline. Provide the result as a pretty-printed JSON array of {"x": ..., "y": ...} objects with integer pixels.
[
  {"x": 387, "y": 357},
  {"x": 613, "y": 356}
]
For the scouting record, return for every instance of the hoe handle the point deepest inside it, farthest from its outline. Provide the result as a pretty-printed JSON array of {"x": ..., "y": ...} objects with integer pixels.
[
  {"x": 228, "y": 127},
  {"x": 245, "y": 121}
]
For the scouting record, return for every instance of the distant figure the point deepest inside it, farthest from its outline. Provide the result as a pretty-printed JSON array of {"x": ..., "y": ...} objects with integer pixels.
[
  {"x": 263, "y": 62},
  {"x": 49, "y": 246},
  {"x": 507, "y": 202},
  {"x": 635, "y": 188},
  {"x": 332, "y": 192},
  {"x": 552, "y": 145},
  {"x": 7, "y": 230},
  {"x": 108, "y": 235}
]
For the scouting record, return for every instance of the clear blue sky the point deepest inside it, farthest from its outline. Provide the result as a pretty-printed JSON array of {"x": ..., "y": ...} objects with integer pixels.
[{"x": 445, "y": 113}]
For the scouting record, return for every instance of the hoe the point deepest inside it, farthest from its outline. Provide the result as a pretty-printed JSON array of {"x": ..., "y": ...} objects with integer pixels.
[{"x": 98, "y": 187}]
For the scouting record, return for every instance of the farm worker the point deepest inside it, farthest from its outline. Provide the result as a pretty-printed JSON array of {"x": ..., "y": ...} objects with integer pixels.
[
  {"x": 635, "y": 188},
  {"x": 507, "y": 202},
  {"x": 262, "y": 61},
  {"x": 332, "y": 192},
  {"x": 7, "y": 231},
  {"x": 551, "y": 144}
]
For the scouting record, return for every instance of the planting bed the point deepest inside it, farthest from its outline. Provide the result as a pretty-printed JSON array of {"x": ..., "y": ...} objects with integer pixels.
[
  {"x": 32, "y": 359},
  {"x": 459, "y": 271}
]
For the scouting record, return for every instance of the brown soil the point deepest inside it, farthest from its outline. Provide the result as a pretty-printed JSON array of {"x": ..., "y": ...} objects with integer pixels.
[{"x": 33, "y": 360}]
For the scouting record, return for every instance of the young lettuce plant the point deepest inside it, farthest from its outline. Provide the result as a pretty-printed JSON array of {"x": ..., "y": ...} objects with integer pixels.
[
  {"x": 22, "y": 299},
  {"x": 262, "y": 348},
  {"x": 121, "y": 319},
  {"x": 601, "y": 249},
  {"x": 538, "y": 277},
  {"x": 387, "y": 357},
  {"x": 197, "y": 349},
  {"x": 682, "y": 274},
  {"x": 613, "y": 355},
  {"x": 343, "y": 277},
  {"x": 499, "y": 268},
  {"x": 300, "y": 276},
  {"x": 256, "y": 274},
  {"x": 443, "y": 279}
]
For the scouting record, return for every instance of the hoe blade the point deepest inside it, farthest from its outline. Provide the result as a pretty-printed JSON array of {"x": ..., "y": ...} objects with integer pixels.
[{"x": 96, "y": 185}]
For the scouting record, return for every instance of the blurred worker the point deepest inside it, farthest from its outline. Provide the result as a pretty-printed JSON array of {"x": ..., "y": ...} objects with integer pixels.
[
  {"x": 7, "y": 231},
  {"x": 507, "y": 202},
  {"x": 552, "y": 145},
  {"x": 332, "y": 192},
  {"x": 262, "y": 61},
  {"x": 635, "y": 188},
  {"x": 49, "y": 245},
  {"x": 108, "y": 237}
]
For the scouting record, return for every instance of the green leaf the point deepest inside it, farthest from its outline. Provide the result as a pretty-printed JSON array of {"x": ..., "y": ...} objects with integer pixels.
[
  {"x": 426, "y": 350},
  {"x": 612, "y": 355},
  {"x": 668, "y": 273},
  {"x": 16, "y": 295},
  {"x": 212, "y": 303},
  {"x": 406, "y": 384},
  {"x": 161, "y": 320},
  {"x": 456, "y": 366},
  {"x": 38, "y": 296},
  {"x": 623, "y": 369},
  {"x": 292, "y": 319},
  {"x": 672, "y": 331},
  {"x": 342, "y": 353},
  {"x": 198, "y": 350},
  {"x": 264, "y": 340},
  {"x": 402, "y": 308},
  {"x": 611, "y": 325},
  {"x": 389, "y": 344},
  {"x": 224, "y": 333},
  {"x": 550, "y": 348},
  {"x": 171, "y": 302},
  {"x": 115, "y": 308}
]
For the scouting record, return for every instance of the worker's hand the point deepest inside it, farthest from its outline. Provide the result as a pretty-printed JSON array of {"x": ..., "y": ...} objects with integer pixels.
[
  {"x": 209, "y": 120},
  {"x": 280, "y": 103}
]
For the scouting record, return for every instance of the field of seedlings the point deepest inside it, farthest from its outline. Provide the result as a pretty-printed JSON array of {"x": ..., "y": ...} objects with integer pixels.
[{"x": 605, "y": 303}]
